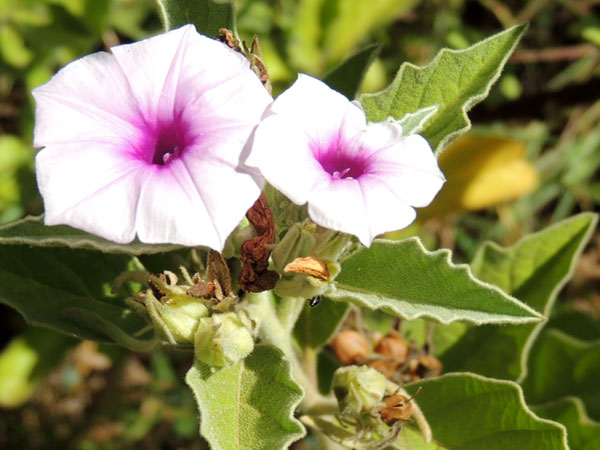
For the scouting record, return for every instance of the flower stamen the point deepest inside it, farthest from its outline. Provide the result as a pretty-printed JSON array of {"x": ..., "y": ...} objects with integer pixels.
[{"x": 340, "y": 175}]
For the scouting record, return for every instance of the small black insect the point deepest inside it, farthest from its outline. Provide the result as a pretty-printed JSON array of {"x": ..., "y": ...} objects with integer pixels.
[{"x": 315, "y": 301}]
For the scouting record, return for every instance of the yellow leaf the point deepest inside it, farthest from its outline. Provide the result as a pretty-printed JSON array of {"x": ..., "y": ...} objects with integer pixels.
[{"x": 482, "y": 171}]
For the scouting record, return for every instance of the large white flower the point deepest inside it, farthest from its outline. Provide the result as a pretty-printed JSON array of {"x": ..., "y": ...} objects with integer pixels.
[
  {"x": 363, "y": 179},
  {"x": 147, "y": 139}
]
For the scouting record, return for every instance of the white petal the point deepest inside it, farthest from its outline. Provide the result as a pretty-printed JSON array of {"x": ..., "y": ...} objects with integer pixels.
[
  {"x": 194, "y": 201},
  {"x": 409, "y": 169},
  {"x": 282, "y": 152},
  {"x": 147, "y": 65},
  {"x": 364, "y": 210},
  {"x": 319, "y": 110},
  {"x": 339, "y": 205},
  {"x": 89, "y": 99},
  {"x": 226, "y": 92},
  {"x": 93, "y": 189},
  {"x": 385, "y": 210}
]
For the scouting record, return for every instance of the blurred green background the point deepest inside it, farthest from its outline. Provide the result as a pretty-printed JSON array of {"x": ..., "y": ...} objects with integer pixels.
[{"x": 533, "y": 158}]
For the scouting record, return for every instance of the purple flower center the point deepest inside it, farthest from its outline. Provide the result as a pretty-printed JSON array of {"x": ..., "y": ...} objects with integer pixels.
[
  {"x": 163, "y": 143},
  {"x": 169, "y": 145},
  {"x": 341, "y": 166}
]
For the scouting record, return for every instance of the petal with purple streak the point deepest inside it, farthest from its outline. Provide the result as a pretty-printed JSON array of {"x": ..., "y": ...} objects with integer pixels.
[
  {"x": 148, "y": 139},
  {"x": 316, "y": 147}
]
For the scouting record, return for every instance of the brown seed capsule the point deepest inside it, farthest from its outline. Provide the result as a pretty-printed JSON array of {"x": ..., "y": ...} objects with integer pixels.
[
  {"x": 397, "y": 407},
  {"x": 350, "y": 347},
  {"x": 386, "y": 366},
  {"x": 394, "y": 346},
  {"x": 425, "y": 366}
]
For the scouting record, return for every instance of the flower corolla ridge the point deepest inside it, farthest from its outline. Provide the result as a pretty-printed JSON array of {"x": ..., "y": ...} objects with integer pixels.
[
  {"x": 316, "y": 147},
  {"x": 147, "y": 139}
]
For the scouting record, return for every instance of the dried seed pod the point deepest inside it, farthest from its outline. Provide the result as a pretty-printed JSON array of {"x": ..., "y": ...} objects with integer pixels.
[
  {"x": 425, "y": 366},
  {"x": 386, "y": 366},
  {"x": 397, "y": 407},
  {"x": 310, "y": 265},
  {"x": 350, "y": 347},
  {"x": 394, "y": 346}
]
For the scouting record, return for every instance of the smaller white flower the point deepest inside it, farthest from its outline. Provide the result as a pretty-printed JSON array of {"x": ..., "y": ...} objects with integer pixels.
[{"x": 363, "y": 179}]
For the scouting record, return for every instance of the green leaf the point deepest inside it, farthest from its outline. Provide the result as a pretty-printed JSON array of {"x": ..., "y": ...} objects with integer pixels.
[
  {"x": 560, "y": 365},
  {"x": 70, "y": 291},
  {"x": 456, "y": 80},
  {"x": 12, "y": 47},
  {"x": 207, "y": 15},
  {"x": 582, "y": 432},
  {"x": 316, "y": 326},
  {"x": 413, "y": 123},
  {"x": 249, "y": 405},
  {"x": 579, "y": 324},
  {"x": 468, "y": 411},
  {"x": 348, "y": 76},
  {"x": 349, "y": 22},
  {"x": 27, "y": 360},
  {"x": 534, "y": 270},
  {"x": 402, "y": 278},
  {"x": 32, "y": 231}
]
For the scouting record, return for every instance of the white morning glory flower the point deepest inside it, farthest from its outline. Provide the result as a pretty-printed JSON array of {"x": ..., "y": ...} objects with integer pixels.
[
  {"x": 363, "y": 179},
  {"x": 147, "y": 139}
]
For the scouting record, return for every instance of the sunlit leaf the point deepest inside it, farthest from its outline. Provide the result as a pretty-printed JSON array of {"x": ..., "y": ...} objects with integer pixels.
[
  {"x": 456, "y": 80},
  {"x": 468, "y": 411},
  {"x": 32, "y": 231},
  {"x": 249, "y": 405},
  {"x": 534, "y": 270},
  {"x": 402, "y": 278}
]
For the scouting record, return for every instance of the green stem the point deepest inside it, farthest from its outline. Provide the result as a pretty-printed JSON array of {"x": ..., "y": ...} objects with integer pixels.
[
  {"x": 288, "y": 311},
  {"x": 275, "y": 328}
]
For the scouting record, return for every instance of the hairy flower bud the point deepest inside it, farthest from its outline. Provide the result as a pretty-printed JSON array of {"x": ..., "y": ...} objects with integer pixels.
[
  {"x": 358, "y": 389},
  {"x": 298, "y": 241},
  {"x": 177, "y": 320},
  {"x": 222, "y": 340}
]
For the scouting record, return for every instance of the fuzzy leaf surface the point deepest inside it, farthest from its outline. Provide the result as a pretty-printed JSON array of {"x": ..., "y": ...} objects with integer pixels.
[
  {"x": 404, "y": 279},
  {"x": 534, "y": 270},
  {"x": 492, "y": 415},
  {"x": 32, "y": 231},
  {"x": 413, "y": 123},
  {"x": 248, "y": 405},
  {"x": 456, "y": 80},
  {"x": 207, "y": 15},
  {"x": 70, "y": 291}
]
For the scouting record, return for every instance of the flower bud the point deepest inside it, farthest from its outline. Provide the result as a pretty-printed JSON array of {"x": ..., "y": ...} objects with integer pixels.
[
  {"x": 331, "y": 244},
  {"x": 222, "y": 340},
  {"x": 298, "y": 241},
  {"x": 358, "y": 389},
  {"x": 177, "y": 320}
]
